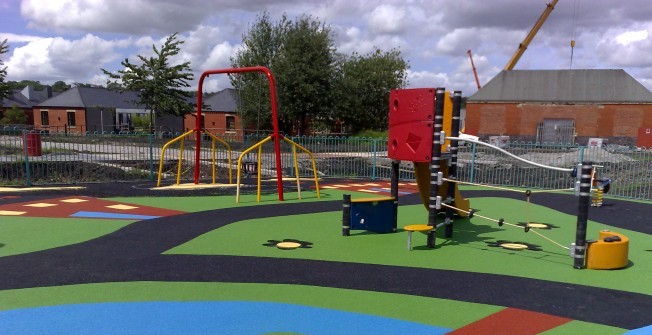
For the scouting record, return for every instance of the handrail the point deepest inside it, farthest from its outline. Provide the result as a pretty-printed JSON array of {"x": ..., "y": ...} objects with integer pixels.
[
  {"x": 182, "y": 139},
  {"x": 215, "y": 138},
  {"x": 239, "y": 164},
  {"x": 296, "y": 165},
  {"x": 165, "y": 146}
]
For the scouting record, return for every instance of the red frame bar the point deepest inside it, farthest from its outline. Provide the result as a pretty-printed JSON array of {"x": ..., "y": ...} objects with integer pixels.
[{"x": 275, "y": 134}]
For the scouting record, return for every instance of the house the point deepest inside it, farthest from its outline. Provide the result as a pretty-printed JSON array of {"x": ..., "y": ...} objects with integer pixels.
[
  {"x": 96, "y": 109},
  {"x": 219, "y": 115},
  {"x": 26, "y": 99},
  {"x": 561, "y": 106}
]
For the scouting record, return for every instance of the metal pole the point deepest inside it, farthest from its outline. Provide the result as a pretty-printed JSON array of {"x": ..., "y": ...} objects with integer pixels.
[
  {"x": 452, "y": 170},
  {"x": 394, "y": 188},
  {"x": 346, "y": 215},
  {"x": 582, "y": 216},
  {"x": 435, "y": 164},
  {"x": 28, "y": 180}
]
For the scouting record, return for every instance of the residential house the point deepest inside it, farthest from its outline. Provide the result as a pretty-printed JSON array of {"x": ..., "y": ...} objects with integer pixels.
[
  {"x": 219, "y": 115},
  {"x": 26, "y": 99},
  {"x": 561, "y": 106},
  {"x": 96, "y": 109}
]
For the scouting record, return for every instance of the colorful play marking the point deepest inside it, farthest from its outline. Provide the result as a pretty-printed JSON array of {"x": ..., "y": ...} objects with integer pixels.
[
  {"x": 104, "y": 215},
  {"x": 11, "y": 213},
  {"x": 86, "y": 207},
  {"x": 121, "y": 207},
  {"x": 74, "y": 200},
  {"x": 40, "y": 205},
  {"x": 512, "y": 321},
  {"x": 206, "y": 317}
]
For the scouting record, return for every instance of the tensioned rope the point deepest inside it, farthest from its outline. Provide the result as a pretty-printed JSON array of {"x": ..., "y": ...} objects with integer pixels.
[
  {"x": 504, "y": 188},
  {"x": 502, "y": 222}
]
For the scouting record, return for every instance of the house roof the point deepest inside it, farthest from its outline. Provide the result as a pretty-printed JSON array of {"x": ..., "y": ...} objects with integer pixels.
[
  {"x": 26, "y": 97},
  {"x": 222, "y": 101},
  {"x": 563, "y": 86},
  {"x": 85, "y": 97}
]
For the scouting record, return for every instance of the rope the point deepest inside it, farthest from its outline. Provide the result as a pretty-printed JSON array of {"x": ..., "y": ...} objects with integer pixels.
[
  {"x": 506, "y": 223},
  {"x": 482, "y": 185},
  {"x": 505, "y": 188}
]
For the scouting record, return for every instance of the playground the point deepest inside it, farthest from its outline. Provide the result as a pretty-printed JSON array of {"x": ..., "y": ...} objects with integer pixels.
[
  {"x": 205, "y": 264},
  {"x": 329, "y": 256}
]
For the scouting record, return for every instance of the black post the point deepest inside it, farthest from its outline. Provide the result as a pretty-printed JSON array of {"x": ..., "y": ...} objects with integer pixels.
[
  {"x": 582, "y": 216},
  {"x": 435, "y": 164},
  {"x": 346, "y": 215},
  {"x": 394, "y": 187},
  {"x": 452, "y": 169}
]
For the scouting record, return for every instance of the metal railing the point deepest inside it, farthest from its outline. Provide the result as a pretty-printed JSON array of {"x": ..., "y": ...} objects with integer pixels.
[{"x": 28, "y": 158}]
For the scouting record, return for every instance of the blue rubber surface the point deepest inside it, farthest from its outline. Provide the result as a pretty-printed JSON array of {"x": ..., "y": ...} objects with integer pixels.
[{"x": 208, "y": 317}]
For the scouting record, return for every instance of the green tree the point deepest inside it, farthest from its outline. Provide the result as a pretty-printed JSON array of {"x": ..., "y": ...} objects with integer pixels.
[
  {"x": 305, "y": 69},
  {"x": 4, "y": 87},
  {"x": 14, "y": 115},
  {"x": 261, "y": 44},
  {"x": 301, "y": 56},
  {"x": 158, "y": 83},
  {"x": 60, "y": 86},
  {"x": 19, "y": 85},
  {"x": 363, "y": 84}
]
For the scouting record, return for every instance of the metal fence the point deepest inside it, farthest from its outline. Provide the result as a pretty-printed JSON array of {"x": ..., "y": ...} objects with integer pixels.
[{"x": 44, "y": 158}]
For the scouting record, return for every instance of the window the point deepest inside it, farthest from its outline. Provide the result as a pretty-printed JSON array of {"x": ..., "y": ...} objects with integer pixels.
[
  {"x": 71, "y": 119},
  {"x": 45, "y": 118},
  {"x": 230, "y": 122}
]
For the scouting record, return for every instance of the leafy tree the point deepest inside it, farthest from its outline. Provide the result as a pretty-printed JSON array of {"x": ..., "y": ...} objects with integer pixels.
[
  {"x": 60, "y": 86},
  {"x": 261, "y": 44},
  {"x": 19, "y": 85},
  {"x": 305, "y": 69},
  {"x": 159, "y": 85},
  {"x": 4, "y": 88},
  {"x": 301, "y": 56},
  {"x": 363, "y": 85},
  {"x": 14, "y": 115}
]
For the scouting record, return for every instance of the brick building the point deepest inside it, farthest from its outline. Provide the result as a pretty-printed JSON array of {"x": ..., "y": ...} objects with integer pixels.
[
  {"x": 561, "y": 106},
  {"x": 219, "y": 114}
]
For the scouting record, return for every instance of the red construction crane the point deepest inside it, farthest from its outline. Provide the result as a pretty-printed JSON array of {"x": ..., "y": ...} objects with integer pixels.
[{"x": 475, "y": 73}]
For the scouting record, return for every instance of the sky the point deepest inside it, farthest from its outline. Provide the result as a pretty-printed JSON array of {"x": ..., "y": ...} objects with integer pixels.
[{"x": 70, "y": 40}]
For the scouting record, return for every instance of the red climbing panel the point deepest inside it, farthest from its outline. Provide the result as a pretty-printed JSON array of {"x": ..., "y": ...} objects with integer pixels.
[{"x": 411, "y": 117}]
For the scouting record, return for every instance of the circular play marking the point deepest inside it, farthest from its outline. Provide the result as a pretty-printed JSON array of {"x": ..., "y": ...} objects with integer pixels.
[
  {"x": 288, "y": 245},
  {"x": 514, "y": 246},
  {"x": 538, "y": 225}
]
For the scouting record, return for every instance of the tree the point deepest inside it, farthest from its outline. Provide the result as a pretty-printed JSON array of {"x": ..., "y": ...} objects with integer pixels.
[
  {"x": 158, "y": 84},
  {"x": 60, "y": 86},
  {"x": 363, "y": 84},
  {"x": 14, "y": 115},
  {"x": 301, "y": 56},
  {"x": 305, "y": 69},
  {"x": 4, "y": 87},
  {"x": 19, "y": 85},
  {"x": 261, "y": 44}
]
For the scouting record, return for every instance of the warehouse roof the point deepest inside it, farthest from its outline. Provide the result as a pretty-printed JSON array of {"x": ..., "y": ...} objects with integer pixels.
[{"x": 563, "y": 86}]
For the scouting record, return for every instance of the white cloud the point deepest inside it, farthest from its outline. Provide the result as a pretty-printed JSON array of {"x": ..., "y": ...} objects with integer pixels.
[
  {"x": 630, "y": 37},
  {"x": 51, "y": 59},
  {"x": 127, "y": 16},
  {"x": 15, "y": 38},
  {"x": 387, "y": 19},
  {"x": 427, "y": 79}
]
